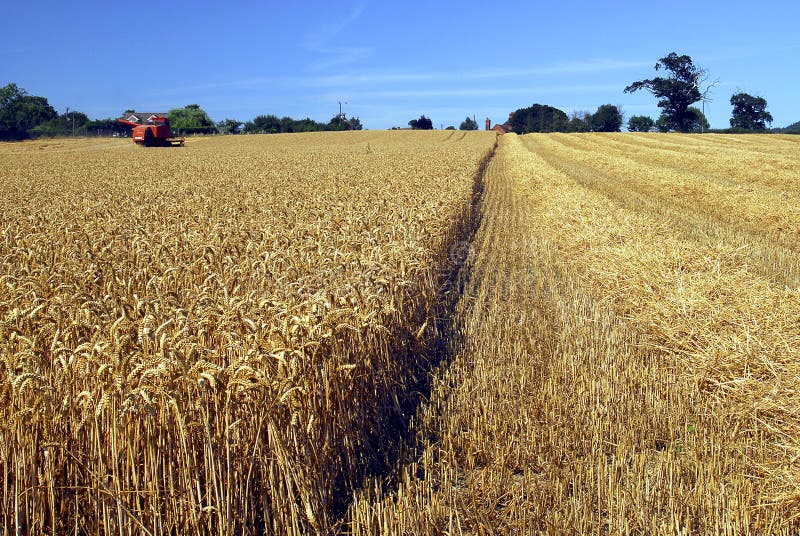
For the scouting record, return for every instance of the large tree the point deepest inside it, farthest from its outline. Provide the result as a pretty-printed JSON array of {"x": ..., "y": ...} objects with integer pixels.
[
  {"x": 20, "y": 112},
  {"x": 607, "y": 118},
  {"x": 539, "y": 118},
  {"x": 640, "y": 123},
  {"x": 286, "y": 124},
  {"x": 423, "y": 123},
  {"x": 468, "y": 124},
  {"x": 676, "y": 92},
  {"x": 191, "y": 119},
  {"x": 354, "y": 123},
  {"x": 749, "y": 112}
]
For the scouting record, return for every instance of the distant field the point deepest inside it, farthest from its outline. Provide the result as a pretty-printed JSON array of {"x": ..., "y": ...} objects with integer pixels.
[{"x": 390, "y": 332}]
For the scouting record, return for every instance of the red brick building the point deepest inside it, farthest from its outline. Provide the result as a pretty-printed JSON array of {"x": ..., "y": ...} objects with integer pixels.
[{"x": 501, "y": 129}]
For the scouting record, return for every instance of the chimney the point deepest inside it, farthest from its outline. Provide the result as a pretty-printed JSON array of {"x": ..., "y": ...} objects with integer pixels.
[{"x": 488, "y": 124}]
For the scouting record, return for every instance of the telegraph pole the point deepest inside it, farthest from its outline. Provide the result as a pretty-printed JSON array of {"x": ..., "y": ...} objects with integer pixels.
[{"x": 73, "y": 121}]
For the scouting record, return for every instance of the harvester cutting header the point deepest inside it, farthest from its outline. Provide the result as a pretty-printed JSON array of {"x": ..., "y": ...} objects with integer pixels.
[{"x": 151, "y": 130}]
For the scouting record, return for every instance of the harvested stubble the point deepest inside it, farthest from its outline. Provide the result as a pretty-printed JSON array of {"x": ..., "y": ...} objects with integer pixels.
[
  {"x": 767, "y": 242},
  {"x": 612, "y": 376},
  {"x": 215, "y": 339}
]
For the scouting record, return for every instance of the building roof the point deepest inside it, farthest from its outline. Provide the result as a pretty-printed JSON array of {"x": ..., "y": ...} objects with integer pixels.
[
  {"x": 504, "y": 128},
  {"x": 143, "y": 117}
]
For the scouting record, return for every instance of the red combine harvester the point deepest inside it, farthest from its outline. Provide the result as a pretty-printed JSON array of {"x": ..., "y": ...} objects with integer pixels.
[{"x": 157, "y": 134}]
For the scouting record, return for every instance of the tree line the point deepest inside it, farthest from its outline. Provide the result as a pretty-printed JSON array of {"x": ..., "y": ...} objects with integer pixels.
[
  {"x": 685, "y": 84},
  {"x": 271, "y": 124},
  {"x": 545, "y": 118},
  {"x": 192, "y": 119},
  {"x": 24, "y": 116}
]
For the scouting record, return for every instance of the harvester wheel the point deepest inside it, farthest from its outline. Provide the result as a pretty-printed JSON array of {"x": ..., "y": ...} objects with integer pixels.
[{"x": 148, "y": 138}]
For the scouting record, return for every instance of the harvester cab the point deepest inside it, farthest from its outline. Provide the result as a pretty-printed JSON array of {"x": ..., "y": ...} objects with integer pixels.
[{"x": 157, "y": 134}]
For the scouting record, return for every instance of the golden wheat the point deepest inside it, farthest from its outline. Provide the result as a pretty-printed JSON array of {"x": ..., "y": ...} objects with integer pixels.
[{"x": 213, "y": 339}]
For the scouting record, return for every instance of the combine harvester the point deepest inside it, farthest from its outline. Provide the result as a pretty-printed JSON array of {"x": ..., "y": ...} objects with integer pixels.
[{"x": 157, "y": 134}]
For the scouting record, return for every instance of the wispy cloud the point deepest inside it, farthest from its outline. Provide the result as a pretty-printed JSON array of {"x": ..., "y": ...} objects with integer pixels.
[
  {"x": 241, "y": 83},
  {"x": 572, "y": 67},
  {"x": 335, "y": 27},
  {"x": 446, "y": 92},
  {"x": 567, "y": 68},
  {"x": 331, "y": 55},
  {"x": 338, "y": 56}
]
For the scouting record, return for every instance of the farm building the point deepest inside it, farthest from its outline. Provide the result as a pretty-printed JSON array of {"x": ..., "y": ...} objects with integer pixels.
[{"x": 502, "y": 129}]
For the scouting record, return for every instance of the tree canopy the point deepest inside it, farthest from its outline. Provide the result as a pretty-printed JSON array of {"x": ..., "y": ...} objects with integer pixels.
[
  {"x": 539, "y": 118},
  {"x": 423, "y": 123},
  {"x": 20, "y": 112},
  {"x": 72, "y": 122},
  {"x": 794, "y": 128},
  {"x": 468, "y": 124},
  {"x": 695, "y": 122},
  {"x": 271, "y": 124},
  {"x": 677, "y": 92},
  {"x": 229, "y": 126},
  {"x": 265, "y": 124},
  {"x": 607, "y": 118},
  {"x": 340, "y": 122},
  {"x": 191, "y": 119},
  {"x": 579, "y": 121},
  {"x": 749, "y": 112},
  {"x": 641, "y": 123}
]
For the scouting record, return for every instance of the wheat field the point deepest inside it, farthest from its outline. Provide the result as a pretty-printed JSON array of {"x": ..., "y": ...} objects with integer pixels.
[
  {"x": 401, "y": 333},
  {"x": 218, "y": 339}
]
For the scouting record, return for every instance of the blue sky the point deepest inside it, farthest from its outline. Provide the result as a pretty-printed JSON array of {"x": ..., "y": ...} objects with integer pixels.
[{"x": 392, "y": 61}]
